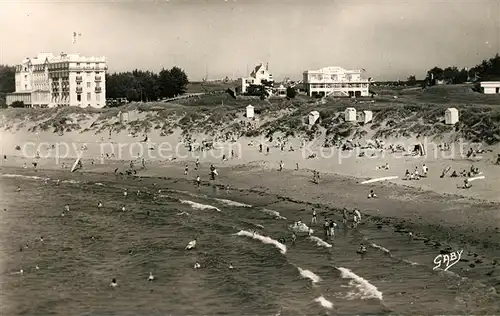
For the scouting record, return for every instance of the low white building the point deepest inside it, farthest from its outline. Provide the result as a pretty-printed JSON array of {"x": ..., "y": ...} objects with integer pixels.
[
  {"x": 490, "y": 87},
  {"x": 313, "y": 117},
  {"x": 335, "y": 81},
  {"x": 451, "y": 116},
  {"x": 259, "y": 74},
  {"x": 364, "y": 116},
  {"x": 250, "y": 111},
  {"x": 281, "y": 91},
  {"x": 123, "y": 116},
  {"x": 350, "y": 115}
]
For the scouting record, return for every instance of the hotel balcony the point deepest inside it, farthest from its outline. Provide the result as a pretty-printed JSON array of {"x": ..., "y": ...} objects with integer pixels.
[
  {"x": 78, "y": 78},
  {"x": 79, "y": 89},
  {"x": 98, "y": 89},
  {"x": 97, "y": 78}
]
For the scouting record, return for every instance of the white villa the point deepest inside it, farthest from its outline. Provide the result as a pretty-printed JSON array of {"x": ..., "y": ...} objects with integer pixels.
[
  {"x": 260, "y": 73},
  {"x": 335, "y": 81},
  {"x": 64, "y": 80},
  {"x": 490, "y": 87}
]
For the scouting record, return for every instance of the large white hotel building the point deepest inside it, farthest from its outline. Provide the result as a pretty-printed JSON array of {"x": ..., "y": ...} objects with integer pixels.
[
  {"x": 64, "y": 80},
  {"x": 335, "y": 81}
]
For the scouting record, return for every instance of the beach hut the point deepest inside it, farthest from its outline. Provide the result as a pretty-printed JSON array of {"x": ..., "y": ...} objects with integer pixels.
[
  {"x": 250, "y": 111},
  {"x": 451, "y": 116},
  {"x": 365, "y": 116},
  {"x": 313, "y": 117},
  {"x": 350, "y": 115},
  {"x": 123, "y": 116}
]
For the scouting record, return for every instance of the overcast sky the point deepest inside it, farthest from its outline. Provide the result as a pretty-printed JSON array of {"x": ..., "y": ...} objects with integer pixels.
[{"x": 389, "y": 39}]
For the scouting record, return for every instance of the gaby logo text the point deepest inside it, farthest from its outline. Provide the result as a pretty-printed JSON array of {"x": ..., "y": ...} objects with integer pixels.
[{"x": 447, "y": 261}]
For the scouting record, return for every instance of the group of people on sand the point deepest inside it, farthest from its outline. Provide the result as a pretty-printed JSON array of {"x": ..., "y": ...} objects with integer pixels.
[
  {"x": 415, "y": 175},
  {"x": 213, "y": 172}
]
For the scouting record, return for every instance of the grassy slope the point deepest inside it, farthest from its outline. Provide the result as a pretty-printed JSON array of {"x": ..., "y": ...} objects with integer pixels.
[{"x": 414, "y": 112}]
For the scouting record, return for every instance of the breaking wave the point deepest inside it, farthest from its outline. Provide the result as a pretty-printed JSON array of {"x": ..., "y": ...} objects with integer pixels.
[
  {"x": 366, "y": 290},
  {"x": 324, "y": 302},
  {"x": 8, "y": 175},
  {"x": 275, "y": 214},
  {"x": 199, "y": 206},
  {"x": 309, "y": 275},
  {"x": 263, "y": 239},
  {"x": 233, "y": 203},
  {"x": 319, "y": 242}
]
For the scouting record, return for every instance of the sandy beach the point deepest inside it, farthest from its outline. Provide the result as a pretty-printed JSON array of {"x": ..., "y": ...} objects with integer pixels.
[{"x": 431, "y": 205}]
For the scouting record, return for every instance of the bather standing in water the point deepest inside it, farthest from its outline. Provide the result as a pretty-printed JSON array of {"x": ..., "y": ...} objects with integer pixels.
[{"x": 314, "y": 219}]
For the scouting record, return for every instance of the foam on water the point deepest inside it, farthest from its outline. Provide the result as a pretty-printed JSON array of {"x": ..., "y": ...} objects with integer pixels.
[
  {"x": 387, "y": 251},
  {"x": 309, "y": 275},
  {"x": 70, "y": 181},
  {"x": 366, "y": 290},
  {"x": 99, "y": 184},
  {"x": 324, "y": 302},
  {"x": 200, "y": 206},
  {"x": 275, "y": 214},
  {"x": 374, "y": 245},
  {"x": 263, "y": 239},
  {"x": 302, "y": 228},
  {"x": 233, "y": 203},
  {"x": 319, "y": 242},
  {"x": 8, "y": 175}
]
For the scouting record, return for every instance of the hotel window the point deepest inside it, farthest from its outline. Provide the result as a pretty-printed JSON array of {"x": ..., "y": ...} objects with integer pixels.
[
  {"x": 78, "y": 73},
  {"x": 88, "y": 96},
  {"x": 88, "y": 74},
  {"x": 77, "y": 64},
  {"x": 88, "y": 84},
  {"x": 79, "y": 97},
  {"x": 98, "y": 97}
]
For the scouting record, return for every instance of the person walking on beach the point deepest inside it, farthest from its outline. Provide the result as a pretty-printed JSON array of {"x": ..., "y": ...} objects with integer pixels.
[
  {"x": 296, "y": 166},
  {"x": 198, "y": 181},
  {"x": 143, "y": 163},
  {"x": 267, "y": 150},
  {"x": 315, "y": 177},
  {"x": 197, "y": 163},
  {"x": 281, "y": 165},
  {"x": 424, "y": 170},
  {"x": 260, "y": 148},
  {"x": 314, "y": 219},
  {"x": 186, "y": 169}
]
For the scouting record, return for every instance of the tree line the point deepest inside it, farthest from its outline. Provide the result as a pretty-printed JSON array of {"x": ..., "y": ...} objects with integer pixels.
[
  {"x": 136, "y": 85},
  {"x": 7, "y": 82},
  {"x": 487, "y": 70},
  {"x": 139, "y": 85}
]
